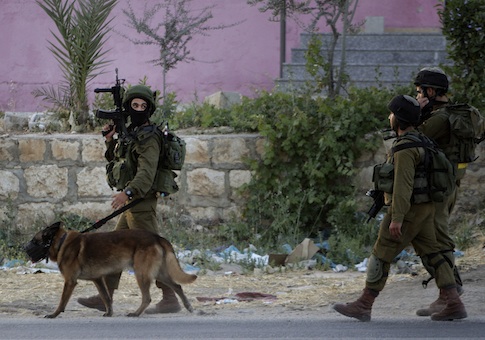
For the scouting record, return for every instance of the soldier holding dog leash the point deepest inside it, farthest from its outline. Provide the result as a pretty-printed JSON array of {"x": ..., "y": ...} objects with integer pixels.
[{"x": 133, "y": 169}]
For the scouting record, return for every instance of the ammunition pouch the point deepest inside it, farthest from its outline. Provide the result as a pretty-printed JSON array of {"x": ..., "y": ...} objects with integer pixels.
[
  {"x": 383, "y": 177},
  {"x": 165, "y": 182},
  {"x": 119, "y": 173}
]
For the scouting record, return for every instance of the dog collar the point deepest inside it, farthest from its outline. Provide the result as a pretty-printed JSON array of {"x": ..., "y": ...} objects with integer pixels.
[{"x": 61, "y": 241}]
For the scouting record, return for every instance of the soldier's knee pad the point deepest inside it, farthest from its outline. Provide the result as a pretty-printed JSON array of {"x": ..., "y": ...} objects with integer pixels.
[
  {"x": 376, "y": 269},
  {"x": 449, "y": 257},
  {"x": 433, "y": 261},
  {"x": 427, "y": 265}
]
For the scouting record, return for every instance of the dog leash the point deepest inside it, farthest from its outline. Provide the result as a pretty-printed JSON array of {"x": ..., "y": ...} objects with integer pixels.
[{"x": 101, "y": 222}]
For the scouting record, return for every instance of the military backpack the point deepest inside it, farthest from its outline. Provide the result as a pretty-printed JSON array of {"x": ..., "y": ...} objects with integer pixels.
[{"x": 467, "y": 127}]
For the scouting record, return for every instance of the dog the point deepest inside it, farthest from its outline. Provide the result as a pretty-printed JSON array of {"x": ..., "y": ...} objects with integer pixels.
[{"x": 92, "y": 256}]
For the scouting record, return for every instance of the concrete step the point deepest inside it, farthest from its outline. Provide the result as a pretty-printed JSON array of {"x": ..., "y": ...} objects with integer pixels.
[
  {"x": 389, "y": 57},
  {"x": 387, "y": 41},
  {"x": 387, "y": 73}
]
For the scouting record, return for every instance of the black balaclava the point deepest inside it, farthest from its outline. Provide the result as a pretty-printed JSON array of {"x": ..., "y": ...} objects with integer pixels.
[{"x": 138, "y": 118}]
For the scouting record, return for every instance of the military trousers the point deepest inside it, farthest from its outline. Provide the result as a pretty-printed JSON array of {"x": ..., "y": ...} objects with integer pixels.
[{"x": 417, "y": 229}]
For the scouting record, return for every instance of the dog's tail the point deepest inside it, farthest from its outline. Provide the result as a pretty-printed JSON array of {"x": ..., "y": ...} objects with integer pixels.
[{"x": 173, "y": 265}]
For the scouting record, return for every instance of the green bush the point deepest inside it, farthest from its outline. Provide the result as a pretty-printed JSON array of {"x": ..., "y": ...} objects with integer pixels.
[
  {"x": 464, "y": 28},
  {"x": 305, "y": 176}
]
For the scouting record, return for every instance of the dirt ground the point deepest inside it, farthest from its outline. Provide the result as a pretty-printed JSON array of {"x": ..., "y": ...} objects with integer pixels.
[{"x": 294, "y": 293}]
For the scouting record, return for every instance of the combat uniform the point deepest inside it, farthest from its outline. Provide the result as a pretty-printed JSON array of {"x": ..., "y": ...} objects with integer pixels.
[
  {"x": 437, "y": 127},
  {"x": 133, "y": 167},
  {"x": 142, "y": 158},
  {"x": 417, "y": 227},
  {"x": 400, "y": 180}
]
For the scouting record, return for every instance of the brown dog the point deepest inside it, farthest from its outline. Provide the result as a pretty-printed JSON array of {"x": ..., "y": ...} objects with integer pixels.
[{"x": 92, "y": 256}]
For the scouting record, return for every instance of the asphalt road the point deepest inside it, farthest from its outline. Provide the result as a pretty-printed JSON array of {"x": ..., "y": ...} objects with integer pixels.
[{"x": 208, "y": 327}]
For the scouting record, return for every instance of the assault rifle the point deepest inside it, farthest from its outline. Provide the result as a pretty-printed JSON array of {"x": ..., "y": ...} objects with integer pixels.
[
  {"x": 118, "y": 116},
  {"x": 378, "y": 197}
]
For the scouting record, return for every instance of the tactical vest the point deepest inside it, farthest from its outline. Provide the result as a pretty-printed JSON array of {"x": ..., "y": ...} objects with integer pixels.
[
  {"x": 434, "y": 177},
  {"x": 122, "y": 169}
]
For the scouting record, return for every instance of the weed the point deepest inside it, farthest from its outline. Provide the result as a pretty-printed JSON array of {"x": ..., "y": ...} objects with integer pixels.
[{"x": 11, "y": 239}]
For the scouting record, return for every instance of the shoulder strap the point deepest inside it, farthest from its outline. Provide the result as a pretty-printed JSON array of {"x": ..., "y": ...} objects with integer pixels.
[
  {"x": 416, "y": 141},
  {"x": 408, "y": 145}
]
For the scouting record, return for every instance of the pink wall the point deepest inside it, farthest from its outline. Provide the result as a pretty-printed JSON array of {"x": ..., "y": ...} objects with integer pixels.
[{"x": 244, "y": 58}]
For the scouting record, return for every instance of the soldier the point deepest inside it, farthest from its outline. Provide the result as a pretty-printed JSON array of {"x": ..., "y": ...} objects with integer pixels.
[
  {"x": 405, "y": 222},
  {"x": 431, "y": 87},
  {"x": 133, "y": 170}
]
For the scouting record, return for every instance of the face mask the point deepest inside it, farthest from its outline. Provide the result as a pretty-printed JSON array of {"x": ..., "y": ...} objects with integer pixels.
[{"x": 138, "y": 118}]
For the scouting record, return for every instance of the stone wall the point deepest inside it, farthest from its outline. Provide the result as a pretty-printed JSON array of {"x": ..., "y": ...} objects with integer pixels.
[{"x": 42, "y": 175}]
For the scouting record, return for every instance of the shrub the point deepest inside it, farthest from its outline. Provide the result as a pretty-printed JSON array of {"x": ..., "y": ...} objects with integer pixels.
[
  {"x": 305, "y": 176},
  {"x": 463, "y": 27}
]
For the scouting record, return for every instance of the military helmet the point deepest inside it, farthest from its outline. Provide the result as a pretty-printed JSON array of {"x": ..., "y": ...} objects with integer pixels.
[
  {"x": 405, "y": 108},
  {"x": 140, "y": 91},
  {"x": 432, "y": 77}
]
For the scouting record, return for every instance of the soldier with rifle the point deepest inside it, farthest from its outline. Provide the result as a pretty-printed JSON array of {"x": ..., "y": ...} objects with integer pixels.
[{"x": 133, "y": 153}]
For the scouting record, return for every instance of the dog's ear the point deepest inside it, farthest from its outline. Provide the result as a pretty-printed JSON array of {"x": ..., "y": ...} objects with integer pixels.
[
  {"x": 56, "y": 225},
  {"x": 51, "y": 231}
]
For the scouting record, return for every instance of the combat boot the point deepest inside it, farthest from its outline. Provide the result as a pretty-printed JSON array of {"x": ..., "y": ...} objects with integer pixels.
[
  {"x": 435, "y": 307},
  {"x": 454, "y": 308},
  {"x": 168, "y": 304},
  {"x": 361, "y": 308},
  {"x": 95, "y": 301}
]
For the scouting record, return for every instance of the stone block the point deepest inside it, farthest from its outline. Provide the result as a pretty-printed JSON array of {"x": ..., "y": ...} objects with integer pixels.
[
  {"x": 206, "y": 182},
  {"x": 229, "y": 150},
  {"x": 93, "y": 150},
  {"x": 32, "y": 150},
  {"x": 46, "y": 181},
  {"x": 7, "y": 150},
  {"x": 91, "y": 182},
  {"x": 223, "y": 100},
  {"x": 64, "y": 150},
  {"x": 9, "y": 185},
  {"x": 197, "y": 151},
  {"x": 239, "y": 177}
]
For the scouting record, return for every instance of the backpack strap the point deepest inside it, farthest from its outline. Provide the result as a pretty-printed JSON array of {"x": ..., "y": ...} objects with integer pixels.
[{"x": 418, "y": 141}]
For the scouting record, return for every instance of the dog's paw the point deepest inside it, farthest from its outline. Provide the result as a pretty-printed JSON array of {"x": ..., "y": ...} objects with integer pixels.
[
  {"x": 133, "y": 315},
  {"x": 50, "y": 316},
  {"x": 107, "y": 314}
]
